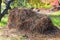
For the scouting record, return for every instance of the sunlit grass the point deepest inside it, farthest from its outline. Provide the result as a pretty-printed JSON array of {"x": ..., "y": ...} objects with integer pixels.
[
  {"x": 4, "y": 20},
  {"x": 55, "y": 13},
  {"x": 56, "y": 20},
  {"x": 2, "y": 6},
  {"x": 55, "y": 17},
  {"x": 22, "y": 38}
]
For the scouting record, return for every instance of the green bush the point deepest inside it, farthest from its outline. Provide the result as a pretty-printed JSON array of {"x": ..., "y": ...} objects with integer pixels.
[{"x": 29, "y": 4}]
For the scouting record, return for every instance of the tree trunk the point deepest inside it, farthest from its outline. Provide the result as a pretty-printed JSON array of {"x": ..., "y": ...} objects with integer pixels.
[{"x": 0, "y": 6}]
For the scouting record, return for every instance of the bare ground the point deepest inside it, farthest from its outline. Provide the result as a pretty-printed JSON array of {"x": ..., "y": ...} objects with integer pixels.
[{"x": 13, "y": 34}]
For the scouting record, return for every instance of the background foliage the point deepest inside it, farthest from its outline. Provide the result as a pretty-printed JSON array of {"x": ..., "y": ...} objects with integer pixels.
[{"x": 30, "y": 3}]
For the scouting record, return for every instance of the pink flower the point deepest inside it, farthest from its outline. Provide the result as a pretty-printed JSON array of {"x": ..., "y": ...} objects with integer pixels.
[{"x": 54, "y": 3}]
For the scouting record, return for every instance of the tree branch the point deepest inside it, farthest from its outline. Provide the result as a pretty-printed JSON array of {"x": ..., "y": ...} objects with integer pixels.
[{"x": 6, "y": 9}]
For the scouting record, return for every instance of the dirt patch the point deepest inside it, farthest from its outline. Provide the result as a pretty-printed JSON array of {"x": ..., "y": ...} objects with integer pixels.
[{"x": 13, "y": 34}]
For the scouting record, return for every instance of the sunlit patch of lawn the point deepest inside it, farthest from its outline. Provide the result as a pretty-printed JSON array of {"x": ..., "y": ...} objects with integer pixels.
[
  {"x": 55, "y": 13},
  {"x": 56, "y": 20},
  {"x": 4, "y": 20},
  {"x": 55, "y": 17}
]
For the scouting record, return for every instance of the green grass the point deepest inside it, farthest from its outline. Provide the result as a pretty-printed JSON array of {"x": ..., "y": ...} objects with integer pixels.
[
  {"x": 55, "y": 17},
  {"x": 56, "y": 20},
  {"x": 55, "y": 13},
  {"x": 4, "y": 21}
]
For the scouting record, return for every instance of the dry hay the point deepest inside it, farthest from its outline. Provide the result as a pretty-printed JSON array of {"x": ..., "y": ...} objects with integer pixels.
[{"x": 28, "y": 20}]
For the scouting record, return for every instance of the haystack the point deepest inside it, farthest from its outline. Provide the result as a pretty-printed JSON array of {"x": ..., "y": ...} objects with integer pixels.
[{"x": 28, "y": 20}]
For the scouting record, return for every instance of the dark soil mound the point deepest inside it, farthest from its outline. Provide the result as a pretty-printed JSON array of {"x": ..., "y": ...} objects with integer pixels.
[{"x": 28, "y": 20}]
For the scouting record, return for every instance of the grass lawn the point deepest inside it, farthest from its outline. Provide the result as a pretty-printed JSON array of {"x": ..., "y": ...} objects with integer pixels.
[
  {"x": 4, "y": 21},
  {"x": 55, "y": 17},
  {"x": 56, "y": 20}
]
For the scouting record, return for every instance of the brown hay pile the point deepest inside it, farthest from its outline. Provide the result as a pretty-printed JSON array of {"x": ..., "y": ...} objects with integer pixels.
[{"x": 26, "y": 19}]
